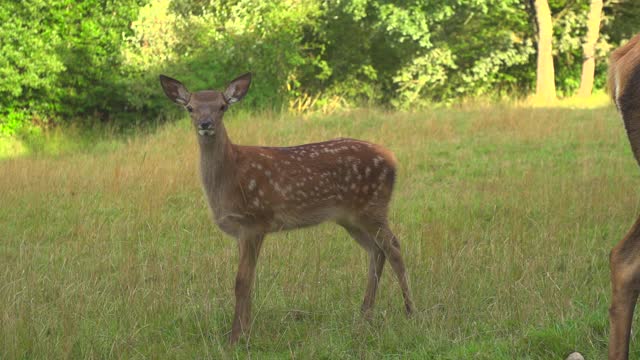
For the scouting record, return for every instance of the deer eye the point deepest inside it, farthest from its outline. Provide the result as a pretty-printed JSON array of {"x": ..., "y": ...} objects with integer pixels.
[
  {"x": 189, "y": 109},
  {"x": 223, "y": 108}
]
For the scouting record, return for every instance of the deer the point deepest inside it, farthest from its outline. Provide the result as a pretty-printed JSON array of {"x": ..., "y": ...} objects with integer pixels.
[
  {"x": 624, "y": 259},
  {"x": 252, "y": 191}
]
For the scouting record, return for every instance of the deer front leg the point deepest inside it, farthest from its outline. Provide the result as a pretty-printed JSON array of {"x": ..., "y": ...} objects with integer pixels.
[
  {"x": 620, "y": 318},
  {"x": 249, "y": 247},
  {"x": 625, "y": 276}
]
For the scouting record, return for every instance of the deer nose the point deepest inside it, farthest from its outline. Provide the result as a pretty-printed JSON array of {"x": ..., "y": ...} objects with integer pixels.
[{"x": 205, "y": 125}]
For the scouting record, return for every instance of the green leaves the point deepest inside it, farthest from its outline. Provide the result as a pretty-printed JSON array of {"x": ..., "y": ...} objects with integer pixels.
[{"x": 63, "y": 59}]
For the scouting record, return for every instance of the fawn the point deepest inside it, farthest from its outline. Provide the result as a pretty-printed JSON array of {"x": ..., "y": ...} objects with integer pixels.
[{"x": 256, "y": 190}]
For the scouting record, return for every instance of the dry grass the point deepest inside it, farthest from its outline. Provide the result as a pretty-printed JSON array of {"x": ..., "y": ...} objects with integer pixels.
[{"x": 506, "y": 217}]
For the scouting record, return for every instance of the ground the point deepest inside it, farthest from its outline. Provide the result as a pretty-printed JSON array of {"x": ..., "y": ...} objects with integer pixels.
[{"x": 506, "y": 216}]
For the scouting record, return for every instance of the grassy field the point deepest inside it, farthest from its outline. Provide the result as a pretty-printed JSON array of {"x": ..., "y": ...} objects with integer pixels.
[{"x": 505, "y": 215}]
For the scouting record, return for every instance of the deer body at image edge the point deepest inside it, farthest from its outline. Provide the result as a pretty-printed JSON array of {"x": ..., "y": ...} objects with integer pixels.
[
  {"x": 253, "y": 191},
  {"x": 624, "y": 88}
]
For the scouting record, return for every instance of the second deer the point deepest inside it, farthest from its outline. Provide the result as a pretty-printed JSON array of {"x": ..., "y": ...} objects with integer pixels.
[
  {"x": 254, "y": 190},
  {"x": 624, "y": 261}
]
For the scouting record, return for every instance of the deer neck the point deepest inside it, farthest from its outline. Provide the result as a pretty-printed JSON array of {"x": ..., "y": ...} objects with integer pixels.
[{"x": 217, "y": 155}]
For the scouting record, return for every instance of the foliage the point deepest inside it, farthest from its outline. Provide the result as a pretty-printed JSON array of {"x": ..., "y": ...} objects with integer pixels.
[
  {"x": 64, "y": 60},
  {"x": 61, "y": 59}
]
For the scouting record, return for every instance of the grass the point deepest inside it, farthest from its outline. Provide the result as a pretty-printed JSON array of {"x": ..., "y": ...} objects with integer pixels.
[{"x": 506, "y": 216}]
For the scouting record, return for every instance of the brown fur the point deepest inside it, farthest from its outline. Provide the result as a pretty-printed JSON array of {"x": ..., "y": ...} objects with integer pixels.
[
  {"x": 620, "y": 65},
  {"x": 624, "y": 88},
  {"x": 253, "y": 191}
]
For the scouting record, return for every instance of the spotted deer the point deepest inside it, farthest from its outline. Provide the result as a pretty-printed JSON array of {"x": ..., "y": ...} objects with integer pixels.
[
  {"x": 624, "y": 260},
  {"x": 256, "y": 190}
]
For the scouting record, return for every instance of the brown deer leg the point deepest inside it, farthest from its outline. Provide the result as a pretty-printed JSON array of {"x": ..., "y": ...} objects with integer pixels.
[
  {"x": 625, "y": 284},
  {"x": 390, "y": 245},
  {"x": 620, "y": 317},
  {"x": 376, "y": 265},
  {"x": 249, "y": 247}
]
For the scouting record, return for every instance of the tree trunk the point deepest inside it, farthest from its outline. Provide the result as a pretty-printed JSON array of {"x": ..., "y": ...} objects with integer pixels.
[
  {"x": 545, "y": 78},
  {"x": 589, "y": 48}
]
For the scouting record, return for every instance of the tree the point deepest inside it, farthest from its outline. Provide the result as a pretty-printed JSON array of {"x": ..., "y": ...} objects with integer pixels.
[
  {"x": 589, "y": 48},
  {"x": 545, "y": 77}
]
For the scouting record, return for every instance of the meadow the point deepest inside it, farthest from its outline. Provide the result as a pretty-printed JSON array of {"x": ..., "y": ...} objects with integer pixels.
[{"x": 505, "y": 214}]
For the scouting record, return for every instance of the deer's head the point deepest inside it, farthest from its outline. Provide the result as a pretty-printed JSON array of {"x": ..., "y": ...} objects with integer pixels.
[{"x": 206, "y": 107}]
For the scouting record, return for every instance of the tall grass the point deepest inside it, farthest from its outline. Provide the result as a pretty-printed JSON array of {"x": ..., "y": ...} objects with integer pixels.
[{"x": 505, "y": 216}]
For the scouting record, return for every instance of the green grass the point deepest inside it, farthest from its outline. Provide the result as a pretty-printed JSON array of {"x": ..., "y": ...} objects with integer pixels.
[{"x": 505, "y": 216}]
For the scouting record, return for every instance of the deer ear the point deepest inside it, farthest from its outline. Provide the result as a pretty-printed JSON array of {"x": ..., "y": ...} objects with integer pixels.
[
  {"x": 175, "y": 90},
  {"x": 237, "y": 88}
]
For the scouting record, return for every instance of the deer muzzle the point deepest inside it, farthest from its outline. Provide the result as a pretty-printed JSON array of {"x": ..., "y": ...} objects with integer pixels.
[{"x": 206, "y": 129}]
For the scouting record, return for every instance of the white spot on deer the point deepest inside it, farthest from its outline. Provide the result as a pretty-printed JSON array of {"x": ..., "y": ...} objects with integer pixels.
[
  {"x": 353, "y": 186},
  {"x": 259, "y": 166},
  {"x": 256, "y": 202},
  {"x": 268, "y": 173},
  {"x": 260, "y": 192},
  {"x": 377, "y": 160},
  {"x": 252, "y": 184},
  {"x": 383, "y": 174},
  {"x": 367, "y": 171}
]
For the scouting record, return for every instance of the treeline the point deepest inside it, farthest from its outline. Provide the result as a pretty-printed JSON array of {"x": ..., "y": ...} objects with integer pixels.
[{"x": 65, "y": 60}]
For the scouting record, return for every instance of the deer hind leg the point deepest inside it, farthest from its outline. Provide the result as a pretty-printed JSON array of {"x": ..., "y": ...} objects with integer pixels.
[
  {"x": 249, "y": 247},
  {"x": 625, "y": 284},
  {"x": 376, "y": 265},
  {"x": 390, "y": 246}
]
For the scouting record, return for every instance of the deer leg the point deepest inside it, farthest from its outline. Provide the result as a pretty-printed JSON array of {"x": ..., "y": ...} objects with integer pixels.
[
  {"x": 249, "y": 247},
  {"x": 390, "y": 246},
  {"x": 376, "y": 265},
  {"x": 625, "y": 284}
]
